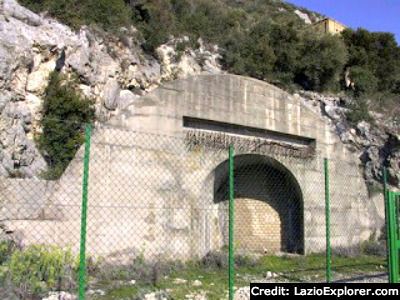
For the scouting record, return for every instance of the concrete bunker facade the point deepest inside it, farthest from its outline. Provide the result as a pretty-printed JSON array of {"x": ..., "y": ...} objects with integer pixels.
[{"x": 158, "y": 181}]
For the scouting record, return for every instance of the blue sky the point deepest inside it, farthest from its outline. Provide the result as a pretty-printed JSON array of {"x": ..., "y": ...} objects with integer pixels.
[{"x": 374, "y": 15}]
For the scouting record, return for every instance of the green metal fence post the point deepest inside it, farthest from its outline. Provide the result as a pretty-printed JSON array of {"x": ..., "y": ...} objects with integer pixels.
[
  {"x": 231, "y": 224},
  {"x": 82, "y": 258},
  {"x": 327, "y": 223},
  {"x": 391, "y": 232},
  {"x": 387, "y": 221},
  {"x": 392, "y": 242}
]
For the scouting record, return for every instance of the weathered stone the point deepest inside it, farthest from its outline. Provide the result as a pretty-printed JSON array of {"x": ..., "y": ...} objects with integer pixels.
[
  {"x": 179, "y": 281},
  {"x": 111, "y": 94},
  {"x": 363, "y": 129},
  {"x": 5, "y": 98},
  {"x": 85, "y": 90},
  {"x": 126, "y": 98},
  {"x": 38, "y": 79},
  {"x": 96, "y": 292},
  {"x": 197, "y": 283},
  {"x": 181, "y": 65},
  {"x": 303, "y": 16},
  {"x": 78, "y": 59},
  {"x": 60, "y": 296},
  {"x": 242, "y": 293},
  {"x": 330, "y": 110},
  {"x": 12, "y": 9}
]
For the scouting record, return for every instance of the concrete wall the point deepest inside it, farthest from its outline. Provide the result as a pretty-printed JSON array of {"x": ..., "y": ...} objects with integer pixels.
[
  {"x": 24, "y": 199},
  {"x": 153, "y": 187}
]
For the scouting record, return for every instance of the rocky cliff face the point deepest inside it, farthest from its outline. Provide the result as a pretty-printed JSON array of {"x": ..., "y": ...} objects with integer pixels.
[
  {"x": 377, "y": 144},
  {"x": 112, "y": 70},
  {"x": 115, "y": 71}
]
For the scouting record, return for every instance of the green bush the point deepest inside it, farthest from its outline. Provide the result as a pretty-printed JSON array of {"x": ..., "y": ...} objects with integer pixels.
[
  {"x": 364, "y": 80},
  {"x": 35, "y": 5},
  {"x": 6, "y": 249},
  {"x": 373, "y": 246},
  {"x": 220, "y": 260},
  {"x": 321, "y": 62},
  {"x": 39, "y": 269},
  {"x": 359, "y": 111},
  {"x": 65, "y": 114},
  {"x": 149, "y": 17},
  {"x": 144, "y": 272},
  {"x": 108, "y": 14}
]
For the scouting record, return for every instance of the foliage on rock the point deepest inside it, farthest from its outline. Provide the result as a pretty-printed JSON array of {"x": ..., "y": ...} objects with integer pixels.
[{"x": 65, "y": 114}]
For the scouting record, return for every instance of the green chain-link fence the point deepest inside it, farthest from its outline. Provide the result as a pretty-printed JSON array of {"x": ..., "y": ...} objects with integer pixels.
[{"x": 166, "y": 213}]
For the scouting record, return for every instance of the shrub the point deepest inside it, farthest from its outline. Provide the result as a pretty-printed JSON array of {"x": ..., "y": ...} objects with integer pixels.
[
  {"x": 373, "y": 246},
  {"x": 144, "y": 272},
  {"x": 220, "y": 260},
  {"x": 108, "y": 14},
  {"x": 34, "y": 5},
  {"x": 215, "y": 259},
  {"x": 6, "y": 249},
  {"x": 350, "y": 251},
  {"x": 38, "y": 269},
  {"x": 359, "y": 111},
  {"x": 65, "y": 114},
  {"x": 364, "y": 80},
  {"x": 149, "y": 17}
]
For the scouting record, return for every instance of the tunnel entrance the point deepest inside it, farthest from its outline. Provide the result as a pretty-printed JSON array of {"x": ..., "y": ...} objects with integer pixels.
[{"x": 268, "y": 205}]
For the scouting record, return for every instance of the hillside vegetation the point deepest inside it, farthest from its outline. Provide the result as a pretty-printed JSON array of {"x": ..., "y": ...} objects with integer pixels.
[{"x": 263, "y": 39}]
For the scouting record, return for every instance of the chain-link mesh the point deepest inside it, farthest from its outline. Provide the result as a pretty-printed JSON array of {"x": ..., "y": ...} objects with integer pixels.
[
  {"x": 357, "y": 226},
  {"x": 40, "y": 216},
  {"x": 158, "y": 218}
]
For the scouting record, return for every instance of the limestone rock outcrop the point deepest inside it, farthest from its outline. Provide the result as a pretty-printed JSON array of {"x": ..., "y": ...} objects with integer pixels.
[
  {"x": 112, "y": 71},
  {"x": 377, "y": 145},
  {"x": 115, "y": 72}
]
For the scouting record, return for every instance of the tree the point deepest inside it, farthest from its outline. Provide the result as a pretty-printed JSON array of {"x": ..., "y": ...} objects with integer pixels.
[
  {"x": 250, "y": 53},
  {"x": 284, "y": 40},
  {"x": 376, "y": 52}
]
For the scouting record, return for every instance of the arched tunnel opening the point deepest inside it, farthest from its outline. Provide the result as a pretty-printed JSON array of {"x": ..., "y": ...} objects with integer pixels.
[{"x": 268, "y": 205}]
